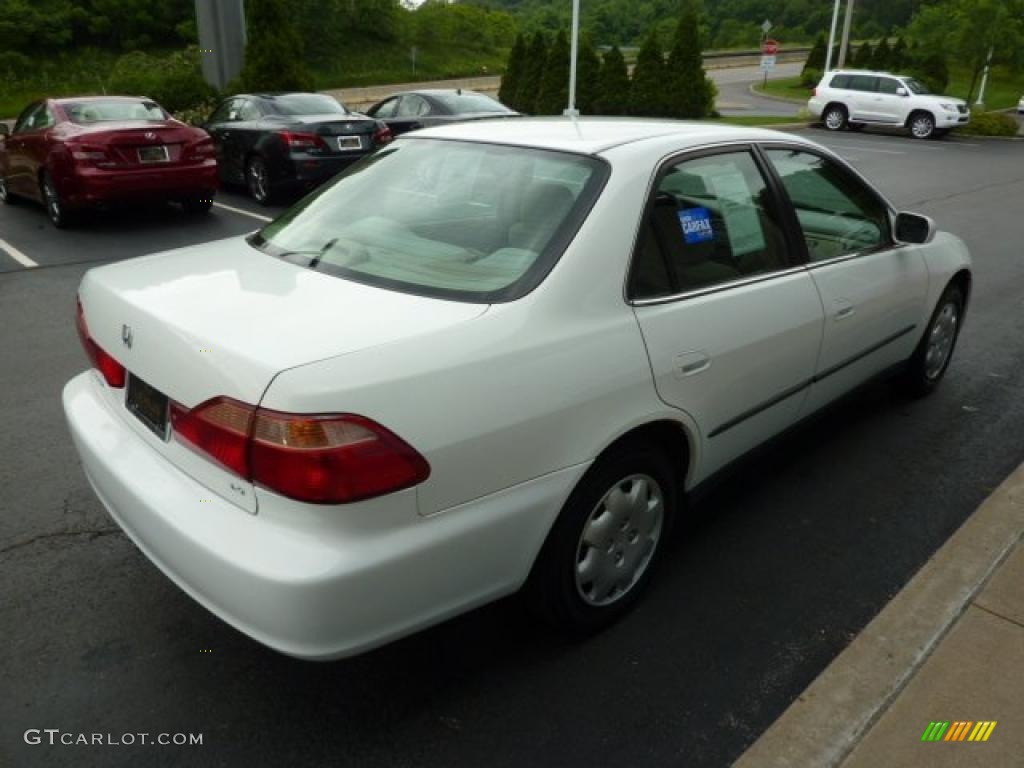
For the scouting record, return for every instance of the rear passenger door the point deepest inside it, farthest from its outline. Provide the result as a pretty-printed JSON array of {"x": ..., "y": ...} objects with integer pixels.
[
  {"x": 731, "y": 320},
  {"x": 862, "y": 102}
]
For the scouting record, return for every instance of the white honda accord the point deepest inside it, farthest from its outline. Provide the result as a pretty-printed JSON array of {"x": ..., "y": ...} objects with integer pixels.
[{"x": 492, "y": 356}]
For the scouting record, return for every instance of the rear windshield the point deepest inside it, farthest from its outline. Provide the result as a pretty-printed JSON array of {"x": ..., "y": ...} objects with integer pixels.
[
  {"x": 103, "y": 111},
  {"x": 468, "y": 101},
  {"x": 458, "y": 220},
  {"x": 306, "y": 104}
]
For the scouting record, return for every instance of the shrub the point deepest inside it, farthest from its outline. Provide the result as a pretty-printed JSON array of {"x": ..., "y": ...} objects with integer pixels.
[
  {"x": 809, "y": 78},
  {"x": 613, "y": 89},
  {"x": 513, "y": 73},
  {"x": 554, "y": 85},
  {"x": 690, "y": 93},
  {"x": 816, "y": 58},
  {"x": 533, "y": 73},
  {"x": 588, "y": 76},
  {"x": 174, "y": 81},
  {"x": 647, "y": 97},
  {"x": 990, "y": 124},
  {"x": 932, "y": 70},
  {"x": 273, "y": 49}
]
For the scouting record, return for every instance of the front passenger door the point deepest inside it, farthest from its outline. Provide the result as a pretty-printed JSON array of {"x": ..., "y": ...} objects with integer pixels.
[
  {"x": 873, "y": 290},
  {"x": 731, "y": 320}
]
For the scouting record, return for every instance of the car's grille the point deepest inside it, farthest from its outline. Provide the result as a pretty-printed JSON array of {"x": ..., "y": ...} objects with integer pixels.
[{"x": 962, "y": 109}]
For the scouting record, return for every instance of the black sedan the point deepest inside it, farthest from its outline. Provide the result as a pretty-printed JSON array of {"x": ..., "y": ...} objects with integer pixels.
[
  {"x": 419, "y": 109},
  {"x": 275, "y": 143}
]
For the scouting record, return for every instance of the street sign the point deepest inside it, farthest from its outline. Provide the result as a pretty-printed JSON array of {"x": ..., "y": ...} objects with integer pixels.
[
  {"x": 766, "y": 27},
  {"x": 770, "y": 47},
  {"x": 767, "y": 62}
]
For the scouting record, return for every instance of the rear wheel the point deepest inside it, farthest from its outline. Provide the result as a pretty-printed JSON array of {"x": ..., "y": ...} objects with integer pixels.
[
  {"x": 257, "y": 179},
  {"x": 834, "y": 117},
  {"x": 5, "y": 195},
  {"x": 55, "y": 208},
  {"x": 922, "y": 125},
  {"x": 600, "y": 553},
  {"x": 933, "y": 353}
]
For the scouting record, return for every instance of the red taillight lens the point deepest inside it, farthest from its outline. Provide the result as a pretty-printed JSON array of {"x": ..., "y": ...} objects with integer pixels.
[
  {"x": 113, "y": 372},
  {"x": 303, "y": 141},
  {"x": 202, "y": 150},
  {"x": 87, "y": 154},
  {"x": 382, "y": 135},
  {"x": 333, "y": 459}
]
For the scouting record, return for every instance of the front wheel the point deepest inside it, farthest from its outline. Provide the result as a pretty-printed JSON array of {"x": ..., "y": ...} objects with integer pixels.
[
  {"x": 835, "y": 117},
  {"x": 931, "y": 358},
  {"x": 600, "y": 553},
  {"x": 922, "y": 125}
]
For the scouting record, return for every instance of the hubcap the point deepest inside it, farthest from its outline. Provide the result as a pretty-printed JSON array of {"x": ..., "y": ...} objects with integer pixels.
[
  {"x": 834, "y": 120},
  {"x": 619, "y": 539},
  {"x": 52, "y": 201},
  {"x": 922, "y": 127},
  {"x": 940, "y": 341},
  {"x": 3, "y": 189},
  {"x": 258, "y": 180}
]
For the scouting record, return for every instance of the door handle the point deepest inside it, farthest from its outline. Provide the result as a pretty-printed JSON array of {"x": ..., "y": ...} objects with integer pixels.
[
  {"x": 844, "y": 311},
  {"x": 692, "y": 363}
]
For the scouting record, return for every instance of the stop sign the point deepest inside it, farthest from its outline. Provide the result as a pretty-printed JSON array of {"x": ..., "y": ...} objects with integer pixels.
[{"x": 770, "y": 47}]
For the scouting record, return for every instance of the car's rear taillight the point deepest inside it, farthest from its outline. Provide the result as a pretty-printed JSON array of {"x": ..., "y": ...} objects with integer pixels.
[
  {"x": 201, "y": 150},
  {"x": 113, "y": 372},
  {"x": 302, "y": 141},
  {"x": 90, "y": 155},
  {"x": 382, "y": 135},
  {"x": 321, "y": 459},
  {"x": 814, "y": 93}
]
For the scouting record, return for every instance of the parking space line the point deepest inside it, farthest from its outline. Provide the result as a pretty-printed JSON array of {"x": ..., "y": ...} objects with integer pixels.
[
  {"x": 17, "y": 255},
  {"x": 242, "y": 211}
]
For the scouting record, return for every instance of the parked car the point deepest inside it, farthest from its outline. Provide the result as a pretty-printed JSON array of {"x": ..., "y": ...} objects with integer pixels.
[
  {"x": 74, "y": 153},
  {"x": 277, "y": 143},
  {"x": 412, "y": 110},
  {"x": 496, "y": 357},
  {"x": 854, "y": 99}
]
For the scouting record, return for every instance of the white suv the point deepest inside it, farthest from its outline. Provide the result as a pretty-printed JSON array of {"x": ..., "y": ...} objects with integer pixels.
[{"x": 857, "y": 98}]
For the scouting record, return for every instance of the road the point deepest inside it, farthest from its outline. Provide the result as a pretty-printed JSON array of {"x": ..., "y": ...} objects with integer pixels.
[{"x": 771, "y": 577}]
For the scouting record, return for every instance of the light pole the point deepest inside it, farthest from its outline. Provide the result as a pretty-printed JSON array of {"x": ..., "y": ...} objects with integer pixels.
[
  {"x": 847, "y": 23},
  {"x": 832, "y": 36},
  {"x": 571, "y": 111}
]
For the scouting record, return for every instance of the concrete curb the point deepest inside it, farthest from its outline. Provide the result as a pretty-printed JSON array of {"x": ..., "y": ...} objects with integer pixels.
[{"x": 834, "y": 713}]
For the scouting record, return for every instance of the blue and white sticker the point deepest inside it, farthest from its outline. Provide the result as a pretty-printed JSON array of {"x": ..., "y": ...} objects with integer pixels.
[{"x": 696, "y": 223}]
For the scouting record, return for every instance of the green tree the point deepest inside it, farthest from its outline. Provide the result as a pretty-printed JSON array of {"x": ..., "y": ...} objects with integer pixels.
[
  {"x": 881, "y": 59},
  {"x": 273, "y": 50},
  {"x": 513, "y": 73},
  {"x": 816, "y": 58},
  {"x": 533, "y": 73},
  {"x": 614, "y": 87},
  {"x": 588, "y": 76},
  {"x": 898, "y": 57},
  {"x": 647, "y": 94},
  {"x": 554, "y": 85},
  {"x": 862, "y": 58},
  {"x": 932, "y": 69},
  {"x": 690, "y": 94}
]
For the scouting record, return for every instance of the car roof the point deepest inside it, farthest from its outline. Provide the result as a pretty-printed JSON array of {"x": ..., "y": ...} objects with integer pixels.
[
  {"x": 862, "y": 72},
  {"x": 590, "y": 135},
  {"x": 86, "y": 99}
]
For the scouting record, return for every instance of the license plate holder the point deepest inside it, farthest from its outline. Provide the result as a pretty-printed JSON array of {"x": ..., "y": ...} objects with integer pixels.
[
  {"x": 157, "y": 154},
  {"x": 349, "y": 142},
  {"x": 149, "y": 405}
]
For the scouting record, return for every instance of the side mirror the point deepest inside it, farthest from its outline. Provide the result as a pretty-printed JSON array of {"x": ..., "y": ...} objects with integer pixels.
[
  {"x": 914, "y": 228},
  {"x": 4, "y": 130},
  {"x": 902, "y": 92}
]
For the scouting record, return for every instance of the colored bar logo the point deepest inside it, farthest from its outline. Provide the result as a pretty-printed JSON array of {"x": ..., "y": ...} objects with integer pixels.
[{"x": 959, "y": 730}]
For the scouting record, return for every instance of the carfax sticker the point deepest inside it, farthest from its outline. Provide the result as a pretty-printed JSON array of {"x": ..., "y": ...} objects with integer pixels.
[{"x": 696, "y": 223}]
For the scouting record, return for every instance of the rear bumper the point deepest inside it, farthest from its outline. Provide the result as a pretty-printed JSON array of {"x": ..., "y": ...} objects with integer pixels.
[
  {"x": 304, "y": 170},
  {"x": 96, "y": 185},
  {"x": 311, "y": 582}
]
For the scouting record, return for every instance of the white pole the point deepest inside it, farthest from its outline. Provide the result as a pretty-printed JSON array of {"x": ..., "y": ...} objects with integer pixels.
[
  {"x": 571, "y": 110},
  {"x": 832, "y": 36},
  {"x": 844, "y": 46},
  {"x": 984, "y": 80}
]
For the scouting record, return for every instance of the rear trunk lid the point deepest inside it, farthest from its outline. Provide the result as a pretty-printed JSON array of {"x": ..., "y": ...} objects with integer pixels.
[
  {"x": 139, "y": 142},
  {"x": 332, "y": 127},
  {"x": 222, "y": 319}
]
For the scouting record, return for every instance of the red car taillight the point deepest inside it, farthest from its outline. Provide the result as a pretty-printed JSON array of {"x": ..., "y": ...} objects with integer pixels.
[
  {"x": 113, "y": 372},
  {"x": 89, "y": 154},
  {"x": 304, "y": 141},
  {"x": 382, "y": 135},
  {"x": 201, "y": 150},
  {"x": 321, "y": 459}
]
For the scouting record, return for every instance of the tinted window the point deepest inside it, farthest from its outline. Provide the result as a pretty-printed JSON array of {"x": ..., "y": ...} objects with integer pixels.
[
  {"x": 306, "y": 104},
  {"x": 248, "y": 110},
  {"x": 888, "y": 85},
  {"x": 917, "y": 86},
  {"x": 104, "y": 111},
  {"x": 386, "y": 109},
  {"x": 838, "y": 213},
  {"x": 222, "y": 113},
  {"x": 840, "y": 81},
  {"x": 412, "y": 106},
  {"x": 862, "y": 82},
  {"x": 468, "y": 221},
  {"x": 468, "y": 102},
  {"x": 24, "y": 122},
  {"x": 711, "y": 222}
]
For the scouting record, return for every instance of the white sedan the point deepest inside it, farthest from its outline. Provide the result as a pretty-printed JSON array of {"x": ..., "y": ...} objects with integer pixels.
[{"x": 492, "y": 356}]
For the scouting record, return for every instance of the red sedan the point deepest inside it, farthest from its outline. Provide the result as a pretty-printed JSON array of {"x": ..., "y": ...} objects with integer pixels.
[{"x": 76, "y": 153}]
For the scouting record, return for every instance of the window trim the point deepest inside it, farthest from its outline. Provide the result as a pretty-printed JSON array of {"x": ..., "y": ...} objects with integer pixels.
[{"x": 795, "y": 256}]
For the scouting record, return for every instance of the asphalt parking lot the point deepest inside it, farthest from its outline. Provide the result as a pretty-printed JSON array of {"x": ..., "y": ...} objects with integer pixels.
[{"x": 772, "y": 576}]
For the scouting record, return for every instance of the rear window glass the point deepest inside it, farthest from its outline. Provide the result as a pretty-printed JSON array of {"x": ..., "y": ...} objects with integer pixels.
[
  {"x": 840, "y": 81},
  {"x": 863, "y": 82},
  {"x": 468, "y": 101},
  {"x": 104, "y": 111},
  {"x": 306, "y": 104},
  {"x": 460, "y": 220}
]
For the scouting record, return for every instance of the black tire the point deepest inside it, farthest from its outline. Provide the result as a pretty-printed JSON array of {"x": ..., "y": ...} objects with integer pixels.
[
  {"x": 196, "y": 206},
  {"x": 57, "y": 212},
  {"x": 6, "y": 198},
  {"x": 921, "y": 125},
  {"x": 257, "y": 180},
  {"x": 925, "y": 370},
  {"x": 835, "y": 117},
  {"x": 556, "y": 586}
]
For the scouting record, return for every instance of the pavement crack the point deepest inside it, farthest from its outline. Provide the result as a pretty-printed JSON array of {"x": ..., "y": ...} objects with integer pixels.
[
  {"x": 92, "y": 533},
  {"x": 998, "y": 615}
]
